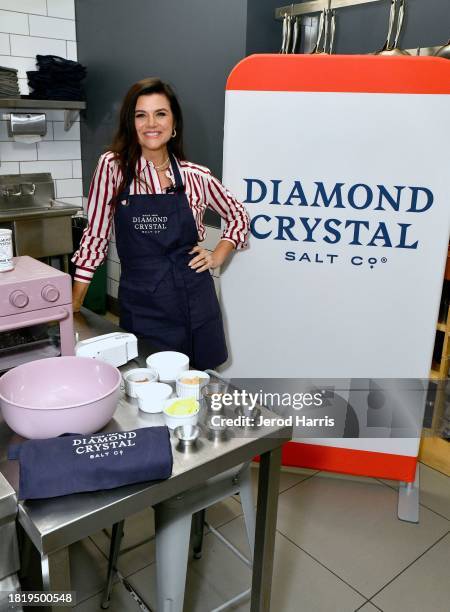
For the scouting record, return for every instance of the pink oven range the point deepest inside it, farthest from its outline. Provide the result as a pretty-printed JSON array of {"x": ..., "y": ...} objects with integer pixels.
[{"x": 34, "y": 295}]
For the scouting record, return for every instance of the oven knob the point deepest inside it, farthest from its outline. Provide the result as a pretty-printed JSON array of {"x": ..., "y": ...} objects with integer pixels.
[
  {"x": 50, "y": 293},
  {"x": 19, "y": 299}
]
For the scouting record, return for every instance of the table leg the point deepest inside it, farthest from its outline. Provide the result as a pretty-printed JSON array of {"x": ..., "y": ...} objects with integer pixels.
[
  {"x": 56, "y": 572},
  {"x": 266, "y": 520}
]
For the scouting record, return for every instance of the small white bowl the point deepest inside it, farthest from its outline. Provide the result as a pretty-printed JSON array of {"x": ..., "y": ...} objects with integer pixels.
[
  {"x": 152, "y": 397},
  {"x": 173, "y": 421},
  {"x": 136, "y": 378},
  {"x": 168, "y": 364},
  {"x": 192, "y": 389}
]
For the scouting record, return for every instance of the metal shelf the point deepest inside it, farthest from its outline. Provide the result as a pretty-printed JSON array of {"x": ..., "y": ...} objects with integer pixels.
[
  {"x": 50, "y": 104},
  {"x": 71, "y": 108},
  {"x": 316, "y": 6}
]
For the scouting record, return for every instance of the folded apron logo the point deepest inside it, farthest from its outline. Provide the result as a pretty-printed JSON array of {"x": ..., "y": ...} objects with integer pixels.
[
  {"x": 150, "y": 223},
  {"x": 353, "y": 231},
  {"x": 105, "y": 444}
]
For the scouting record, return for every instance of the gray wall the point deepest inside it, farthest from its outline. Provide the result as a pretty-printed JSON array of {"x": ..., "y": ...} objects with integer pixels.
[{"x": 194, "y": 44}]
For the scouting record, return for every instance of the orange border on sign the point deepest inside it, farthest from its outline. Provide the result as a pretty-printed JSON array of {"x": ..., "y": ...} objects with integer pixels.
[
  {"x": 344, "y": 74},
  {"x": 341, "y": 73},
  {"x": 349, "y": 461}
]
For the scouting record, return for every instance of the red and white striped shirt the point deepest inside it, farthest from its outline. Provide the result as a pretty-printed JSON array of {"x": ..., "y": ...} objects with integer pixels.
[{"x": 202, "y": 189}]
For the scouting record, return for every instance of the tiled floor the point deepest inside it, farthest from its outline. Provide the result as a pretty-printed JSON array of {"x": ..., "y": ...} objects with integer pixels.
[{"x": 339, "y": 548}]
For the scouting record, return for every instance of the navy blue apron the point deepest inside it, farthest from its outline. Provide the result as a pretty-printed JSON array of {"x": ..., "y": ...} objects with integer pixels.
[{"x": 161, "y": 298}]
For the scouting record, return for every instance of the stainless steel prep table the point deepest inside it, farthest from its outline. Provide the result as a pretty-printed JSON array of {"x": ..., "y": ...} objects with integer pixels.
[{"x": 54, "y": 524}]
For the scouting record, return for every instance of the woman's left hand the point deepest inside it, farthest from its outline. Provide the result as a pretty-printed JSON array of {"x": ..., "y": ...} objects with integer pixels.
[{"x": 204, "y": 260}]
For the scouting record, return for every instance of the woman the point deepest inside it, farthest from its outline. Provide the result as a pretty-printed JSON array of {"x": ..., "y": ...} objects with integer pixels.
[{"x": 157, "y": 201}]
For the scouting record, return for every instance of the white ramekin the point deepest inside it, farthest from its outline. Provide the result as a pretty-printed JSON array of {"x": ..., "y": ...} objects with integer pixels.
[
  {"x": 153, "y": 396},
  {"x": 191, "y": 390},
  {"x": 132, "y": 377},
  {"x": 168, "y": 364},
  {"x": 173, "y": 421}
]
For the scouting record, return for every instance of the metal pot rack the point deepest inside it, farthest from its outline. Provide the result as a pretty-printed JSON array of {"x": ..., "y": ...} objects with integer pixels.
[{"x": 316, "y": 6}]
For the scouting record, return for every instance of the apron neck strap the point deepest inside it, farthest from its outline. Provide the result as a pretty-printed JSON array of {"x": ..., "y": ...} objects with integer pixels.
[{"x": 176, "y": 173}]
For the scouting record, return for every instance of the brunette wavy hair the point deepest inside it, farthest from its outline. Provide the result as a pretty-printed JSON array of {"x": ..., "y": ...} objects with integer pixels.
[{"x": 125, "y": 142}]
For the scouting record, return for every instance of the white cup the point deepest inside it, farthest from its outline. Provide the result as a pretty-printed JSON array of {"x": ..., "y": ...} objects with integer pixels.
[
  {"x": 173, "y": 420},
  {"x": 6, "y": 250},
  {"x": 168, "y": 364},
  {"x": 152, "y": 396},
  {"x": 138, "y": 377},
  {"x": 191, "y": 389}
]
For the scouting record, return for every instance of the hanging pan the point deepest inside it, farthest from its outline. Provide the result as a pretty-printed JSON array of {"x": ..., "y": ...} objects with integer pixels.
[
  {"x": 296, "y": 34},
  {"x": 332, "y": 31},
  {"x": 444, "y": 51},
  {"x": 319, "y": 47},
  {"x": 394, "y": 49},
  {"x": 284, "y": 34}
]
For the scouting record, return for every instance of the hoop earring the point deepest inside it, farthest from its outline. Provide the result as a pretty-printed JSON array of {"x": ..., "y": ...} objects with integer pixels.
[{"x": 174, "y": 133}]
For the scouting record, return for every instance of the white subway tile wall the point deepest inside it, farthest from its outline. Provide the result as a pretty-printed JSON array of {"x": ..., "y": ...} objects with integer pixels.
[
  {"x": 61, "y": 8},
  {"x": 14, "y": 23},
  {"x": 45, "y": 27},
  {"x": 58, "y": 169},
  {"x": 68, "y": 188},
  {"x": 76, "y": 168},
  {"x": 9, "y": 168},
  {"x": 23, "y": 87},
  {"x": 4, "y": 44},
  {"x": 64, "y": 149},
  {"x": 30, "y": 46},
  {"x": 72, "y": 50},
  {"x": 52, "y": 27},
  {"x": 22, "y": 64},
  {"x": 15, "y": 151},
  {"x": 32, "y": 27},
  {"x": 61, "y": 134},
  {"x": 38, "y": 7}
]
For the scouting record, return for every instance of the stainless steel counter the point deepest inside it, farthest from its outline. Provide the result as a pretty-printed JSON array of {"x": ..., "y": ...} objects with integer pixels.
[
  {"x": 54, "y": 524},
  {"x": 9, "y": 552}
]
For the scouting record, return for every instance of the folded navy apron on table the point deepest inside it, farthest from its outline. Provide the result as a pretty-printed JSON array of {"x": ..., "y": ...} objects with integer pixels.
[{"x": 76, "y": 463}]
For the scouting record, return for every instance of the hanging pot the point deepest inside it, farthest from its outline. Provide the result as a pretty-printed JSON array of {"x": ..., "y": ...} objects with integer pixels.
[
  {"x": 284, "y": 34},
  {"x": 319, "y": 47},
  {"x": 296, "y": 34},
  {"x": 444, "y": 51},
  {"x": 394, "y": 49},
  {"x": 332, "y": 32}
]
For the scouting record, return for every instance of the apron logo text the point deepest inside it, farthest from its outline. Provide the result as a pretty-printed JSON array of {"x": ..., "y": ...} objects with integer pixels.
[
  {"x": 150, "y": 224},
  {"x": 99, "y": 446}
]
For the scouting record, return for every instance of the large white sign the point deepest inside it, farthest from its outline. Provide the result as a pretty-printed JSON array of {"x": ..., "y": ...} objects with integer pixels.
[{"x": 342, "y": 163}]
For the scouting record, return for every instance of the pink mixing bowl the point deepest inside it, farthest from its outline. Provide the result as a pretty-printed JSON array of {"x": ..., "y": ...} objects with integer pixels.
[{"x": 49, "y": 397}]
